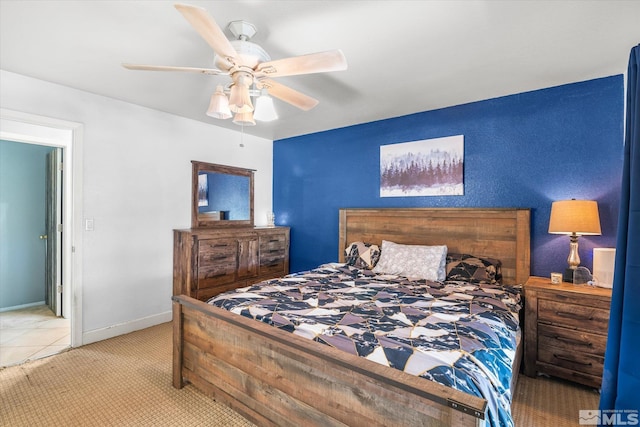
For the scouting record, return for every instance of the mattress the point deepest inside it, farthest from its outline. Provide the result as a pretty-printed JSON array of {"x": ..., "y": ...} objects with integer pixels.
[{"x": 460, "y": 334}]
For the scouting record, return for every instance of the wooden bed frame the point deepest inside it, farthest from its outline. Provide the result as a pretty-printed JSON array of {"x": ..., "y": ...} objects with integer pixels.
[{"x": 275, "y": 378}]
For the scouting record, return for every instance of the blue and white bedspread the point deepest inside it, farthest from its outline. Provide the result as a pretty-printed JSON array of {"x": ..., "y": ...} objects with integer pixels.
[{"x": 458, "y": 334}]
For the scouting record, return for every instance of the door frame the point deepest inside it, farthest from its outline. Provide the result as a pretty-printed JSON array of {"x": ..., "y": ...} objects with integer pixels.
[{"x": 33, "y": 129}]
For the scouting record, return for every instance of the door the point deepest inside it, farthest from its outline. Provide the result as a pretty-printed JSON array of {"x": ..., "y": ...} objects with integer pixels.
[
  {"x": 53, "y": 238},
  {"x": 247, "y": 257}
]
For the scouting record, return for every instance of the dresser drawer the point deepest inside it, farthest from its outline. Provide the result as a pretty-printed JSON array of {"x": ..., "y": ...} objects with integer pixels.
[
  {"x": 217, "y": 259},
  {"x": 213, "y": 250},
  {"x": 215, "y": 275},
  {"x": 571, "y": 359},
  {"x": 571, "y": 340},
  {"x": 273, "y": 268},
  {"x": 274, "y": 244},
  {"x": 573, "y": 315},
  {"x": 273, "y": 253}
]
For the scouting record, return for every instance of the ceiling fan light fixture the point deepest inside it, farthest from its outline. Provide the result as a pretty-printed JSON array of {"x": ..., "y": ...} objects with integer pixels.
[
  {"x": 265, "y": 110},
  {"x": 239, "y": 98},
  {"x": 219, "y": 105},
  {"x": 244, "y": 119},
  {"x": 248, "y": 64}
]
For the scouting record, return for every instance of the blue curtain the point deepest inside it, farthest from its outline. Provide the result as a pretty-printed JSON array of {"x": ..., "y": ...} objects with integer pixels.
[{"x": 621, "y": 378}]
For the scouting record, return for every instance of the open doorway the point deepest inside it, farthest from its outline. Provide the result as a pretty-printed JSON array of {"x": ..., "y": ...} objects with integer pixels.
[
  {"x": 60, "y": 300},
  {"x": 32, "y": 324}
]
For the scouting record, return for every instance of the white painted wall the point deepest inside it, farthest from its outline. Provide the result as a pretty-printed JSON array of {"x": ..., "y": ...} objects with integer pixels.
[{"x": 136, "y": 186}]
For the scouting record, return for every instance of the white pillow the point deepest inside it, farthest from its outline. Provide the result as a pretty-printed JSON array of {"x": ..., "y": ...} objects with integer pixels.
[{"x": 414, "y": 261}]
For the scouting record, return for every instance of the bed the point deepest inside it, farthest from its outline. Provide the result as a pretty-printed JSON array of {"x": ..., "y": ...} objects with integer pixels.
[{"x": 274, "y": 377}]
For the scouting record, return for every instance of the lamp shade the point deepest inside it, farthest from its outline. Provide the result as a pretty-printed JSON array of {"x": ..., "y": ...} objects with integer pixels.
[
  {"x": 219, "y": 105},
  {"x": 575, "y": 216},
  {"x": 265, "y": 110},
  {"x": 244, "y": 119},
  {"x": 239, "y": 98}
]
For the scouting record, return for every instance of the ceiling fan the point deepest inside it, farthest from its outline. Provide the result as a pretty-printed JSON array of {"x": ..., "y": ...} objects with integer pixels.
[{"x": 251, "y": 70}]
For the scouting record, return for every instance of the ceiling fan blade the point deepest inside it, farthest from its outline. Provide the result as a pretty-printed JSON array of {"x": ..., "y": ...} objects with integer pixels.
[
  {"x": 291, "y": 96},
  {"x": 209, "y": 71},
  {"x": 320, "y": 62},
  {"x": 209, "y": 30}
]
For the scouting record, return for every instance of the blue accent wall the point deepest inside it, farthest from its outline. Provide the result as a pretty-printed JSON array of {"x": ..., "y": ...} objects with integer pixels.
[{"x": 523, "y": 150}]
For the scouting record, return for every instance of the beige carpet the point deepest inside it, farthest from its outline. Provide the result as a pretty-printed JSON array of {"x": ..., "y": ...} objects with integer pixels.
[
  {"x": 126, "y": 381},
  {"x": 551, "y": 402}
]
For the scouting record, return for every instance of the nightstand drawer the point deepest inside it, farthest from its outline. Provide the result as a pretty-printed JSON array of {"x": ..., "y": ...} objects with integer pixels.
[
  {"x": 573, "y": 360},
  {"x": 571, "y": 340},
  {"x": 573, "y": 315}
]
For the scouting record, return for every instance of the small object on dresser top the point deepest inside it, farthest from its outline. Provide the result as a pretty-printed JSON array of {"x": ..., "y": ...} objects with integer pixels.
[
  {"x": 581, "y": 275},
  {"x": 556, "y": 278}
]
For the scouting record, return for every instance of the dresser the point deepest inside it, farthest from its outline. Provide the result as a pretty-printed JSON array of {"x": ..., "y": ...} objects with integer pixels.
[
  {"x": 565, "y": 330},
  {"x": 209, "y": 261}
]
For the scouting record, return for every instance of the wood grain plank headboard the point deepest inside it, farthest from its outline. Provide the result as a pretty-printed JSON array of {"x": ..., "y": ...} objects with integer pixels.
[{"x": 501, "y": 233}]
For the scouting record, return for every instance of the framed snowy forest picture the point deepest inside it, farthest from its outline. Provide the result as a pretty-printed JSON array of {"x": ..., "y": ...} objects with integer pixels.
[{"x": 431, "y": 167}]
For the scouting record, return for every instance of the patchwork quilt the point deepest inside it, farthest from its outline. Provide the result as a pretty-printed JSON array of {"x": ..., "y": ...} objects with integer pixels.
[{"x": 459, "y": 334}]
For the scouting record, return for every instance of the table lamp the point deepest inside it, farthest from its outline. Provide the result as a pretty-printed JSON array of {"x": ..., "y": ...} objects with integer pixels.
[{"x": 575, "y": 218}]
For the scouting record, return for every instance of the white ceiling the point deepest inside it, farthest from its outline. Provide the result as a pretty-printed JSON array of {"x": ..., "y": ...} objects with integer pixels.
[{"x": 404, "y": 56}]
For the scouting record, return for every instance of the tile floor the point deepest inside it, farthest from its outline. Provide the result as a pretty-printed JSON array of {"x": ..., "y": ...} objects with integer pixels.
[{"x": 31, "y": 333}]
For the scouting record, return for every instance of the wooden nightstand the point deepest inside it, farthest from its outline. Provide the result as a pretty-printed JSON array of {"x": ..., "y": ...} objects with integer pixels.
[{"x": 565, "y": 330}]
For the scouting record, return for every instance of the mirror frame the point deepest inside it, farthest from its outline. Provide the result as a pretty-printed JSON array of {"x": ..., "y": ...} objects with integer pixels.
[{"x": 201, "y": 221}]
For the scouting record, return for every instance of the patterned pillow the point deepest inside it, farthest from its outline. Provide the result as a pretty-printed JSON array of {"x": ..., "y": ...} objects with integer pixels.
[
  {"x": 362, "y": 255},
  {"x": 414, "y": 261},
  {"x": 473, "y": 269}
]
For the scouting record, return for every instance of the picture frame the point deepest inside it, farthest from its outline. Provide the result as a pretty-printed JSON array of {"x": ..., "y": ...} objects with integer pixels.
[
  {"x": 203, "y": 190},
  {"x": 430, "y": 167}
]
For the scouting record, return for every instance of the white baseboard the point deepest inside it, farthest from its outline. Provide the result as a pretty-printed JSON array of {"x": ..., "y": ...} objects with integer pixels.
[
  {"x": 125, "y": 328},
  {"x": 18, "y": 307}
]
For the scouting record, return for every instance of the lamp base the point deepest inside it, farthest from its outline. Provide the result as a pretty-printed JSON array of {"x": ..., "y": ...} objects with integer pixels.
[{"x": 567, "y": 276}]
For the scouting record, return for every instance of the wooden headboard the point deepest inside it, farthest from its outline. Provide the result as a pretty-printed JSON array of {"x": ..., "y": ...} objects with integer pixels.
[{"x": 501, "y": 233}]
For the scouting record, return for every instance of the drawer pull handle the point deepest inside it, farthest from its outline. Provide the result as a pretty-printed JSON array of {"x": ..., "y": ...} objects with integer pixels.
[
  {"x": 572, "y": 315},
  {"x": 572, "y": 361},
  {"x": 216, "y": 276},
  {"x": 572, "y": 341}
]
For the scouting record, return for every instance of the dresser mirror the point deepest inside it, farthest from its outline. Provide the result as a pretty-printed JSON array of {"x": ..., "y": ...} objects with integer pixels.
[{"x": 221, "y": 196}]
